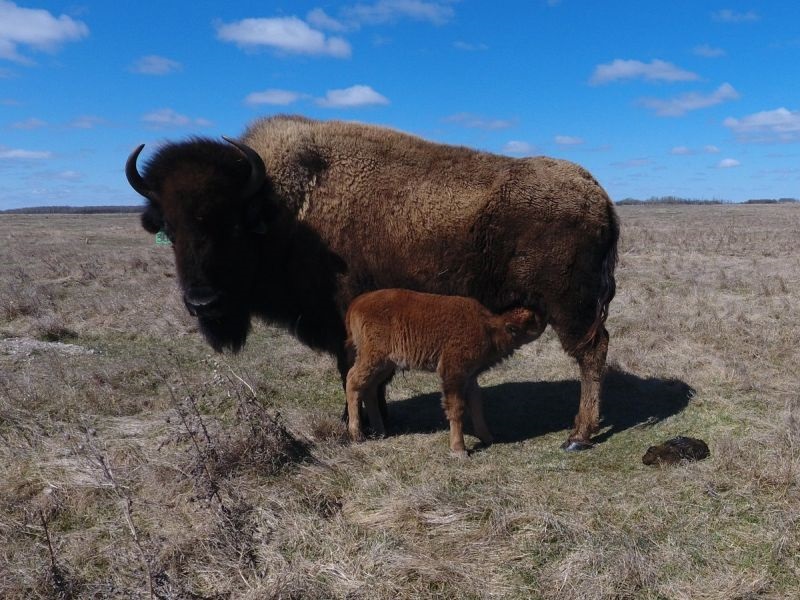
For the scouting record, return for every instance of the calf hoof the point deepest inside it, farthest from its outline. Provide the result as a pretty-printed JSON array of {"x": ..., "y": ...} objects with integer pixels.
[
  {"x": 576, "y": 445},
  {"x": 357, "y": 437},
  {"x": 459, "y": 454}
]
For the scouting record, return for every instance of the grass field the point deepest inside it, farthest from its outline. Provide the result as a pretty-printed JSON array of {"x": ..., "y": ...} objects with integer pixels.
[{"x": 134, "y": 462}]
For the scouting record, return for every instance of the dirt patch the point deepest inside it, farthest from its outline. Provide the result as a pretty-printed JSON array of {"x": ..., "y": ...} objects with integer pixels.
[{"x": 24, "y": 346}]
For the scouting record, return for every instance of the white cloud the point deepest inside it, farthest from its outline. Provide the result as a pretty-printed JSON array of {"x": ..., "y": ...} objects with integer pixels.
[
  {"x": 727, "y": 15},
  {"x": 387, "y": 11},
  {"x": 287, "y": 34},
  {"x": 167, "y": 117},
  {"x": 35, "y": 28},
  {"x": 156, "y": 65},
  {"x": 680, "y": 105},
  {"x": 354, "y": 96},
  {"x": 711, "y": 149},
  {"x": 17, "y": 154},
  {"x": 32, "y": 123},
  {"x": 707, "y": 51},
  {"x": 568, "y": 140},
  {"x": 633, "y": 163},
  {"x": 273, "y": 96},
  {"x": 69, "y": 175},
  {"x": 86, "y": 122},
  {"x": 476, "y": 122},
  {"x": 655, "y": 70},
  {"x": 519, "y": 147},
  {"x": 681, "y": 151},
  {"x": 320, "y": 19},
  {"x": 728, "y": 163},
  {"x": 779, "y": 125},
  {"x": 467, "y": 47}
]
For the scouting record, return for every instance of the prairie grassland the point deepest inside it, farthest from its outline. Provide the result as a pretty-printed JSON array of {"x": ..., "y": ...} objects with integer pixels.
[{"x": 134, "y": 462}]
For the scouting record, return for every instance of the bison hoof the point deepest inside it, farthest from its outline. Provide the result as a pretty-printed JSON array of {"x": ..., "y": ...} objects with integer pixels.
[
  {"x": 459, "y": 454},
  {"x": 576, "y": 446}
]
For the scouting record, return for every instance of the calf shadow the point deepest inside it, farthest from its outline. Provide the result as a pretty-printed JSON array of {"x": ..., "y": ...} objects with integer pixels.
[{"x": 518, "y": 411}]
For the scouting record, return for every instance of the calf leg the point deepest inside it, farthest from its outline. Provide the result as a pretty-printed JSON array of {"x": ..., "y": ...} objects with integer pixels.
[
  {"x": 344, "y": 361},
  {"x": 475, "y": 403},
  {"x": 453, "y": 401}
]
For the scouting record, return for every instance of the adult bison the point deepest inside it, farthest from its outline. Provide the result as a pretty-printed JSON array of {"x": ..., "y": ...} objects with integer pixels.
[{"x": 298, "y": 217}]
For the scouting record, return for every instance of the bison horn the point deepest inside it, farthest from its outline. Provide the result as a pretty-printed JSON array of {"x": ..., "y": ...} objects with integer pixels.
[
  {"x": 132, "y": 173},
  {"x": 258, "y": 172}
]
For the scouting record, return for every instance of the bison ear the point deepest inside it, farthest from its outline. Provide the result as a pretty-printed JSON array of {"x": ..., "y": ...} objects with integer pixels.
[{"x": 152, "y": 220}]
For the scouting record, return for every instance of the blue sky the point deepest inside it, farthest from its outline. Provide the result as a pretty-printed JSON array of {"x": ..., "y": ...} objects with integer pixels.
[{"x": 689, "y": 98}]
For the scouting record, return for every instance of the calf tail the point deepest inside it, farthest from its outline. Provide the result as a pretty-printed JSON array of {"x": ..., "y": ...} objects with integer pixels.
[{"x": 608, "y": 284}]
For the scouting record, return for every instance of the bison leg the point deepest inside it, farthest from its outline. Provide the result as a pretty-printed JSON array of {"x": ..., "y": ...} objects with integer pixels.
[
  {"x": 475, "y": 403},
  {"x": 592, "y": 362},
  {"x": 453, "y": 403}
]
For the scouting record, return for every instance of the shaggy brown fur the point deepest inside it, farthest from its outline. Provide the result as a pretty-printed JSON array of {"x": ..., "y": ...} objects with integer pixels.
[
  {"x": 675, "y": 450},
  {"x": 455, "y": 336},
  {"x": 347, "y": 208}
]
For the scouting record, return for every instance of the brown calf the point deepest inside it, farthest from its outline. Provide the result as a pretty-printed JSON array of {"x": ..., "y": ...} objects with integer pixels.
[{"x": 455, "y": 336}]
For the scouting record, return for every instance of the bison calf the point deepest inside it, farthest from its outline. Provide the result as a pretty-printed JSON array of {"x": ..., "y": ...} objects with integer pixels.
[{"x": 455, "y": 336}]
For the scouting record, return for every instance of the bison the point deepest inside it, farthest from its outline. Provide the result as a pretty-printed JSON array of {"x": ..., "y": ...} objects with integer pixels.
[
  {"x": 298, "y": 217},
  {"x": 455, "y": 336}
]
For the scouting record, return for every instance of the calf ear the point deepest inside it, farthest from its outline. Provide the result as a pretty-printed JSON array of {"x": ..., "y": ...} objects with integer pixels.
[{"x": 152, "y": 220}]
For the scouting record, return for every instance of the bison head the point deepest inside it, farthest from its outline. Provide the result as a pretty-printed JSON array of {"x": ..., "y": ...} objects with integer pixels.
[{"x": 210, "y": 199}]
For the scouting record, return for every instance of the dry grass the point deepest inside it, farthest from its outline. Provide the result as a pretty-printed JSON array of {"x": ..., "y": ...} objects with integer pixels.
[{"x": 135, "y": 463}]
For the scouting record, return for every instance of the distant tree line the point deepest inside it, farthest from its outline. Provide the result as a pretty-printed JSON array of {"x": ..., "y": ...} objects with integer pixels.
[
  {"x": 678, "y": 200},
  {"x": 73, "y": 210}
]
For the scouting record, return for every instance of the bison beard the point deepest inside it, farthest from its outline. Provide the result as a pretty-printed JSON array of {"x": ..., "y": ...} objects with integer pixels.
[{"x": 226, "y": 332}]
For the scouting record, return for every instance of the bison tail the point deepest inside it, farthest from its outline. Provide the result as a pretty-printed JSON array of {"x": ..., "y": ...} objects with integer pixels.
[{"x": 608, "y": 284}]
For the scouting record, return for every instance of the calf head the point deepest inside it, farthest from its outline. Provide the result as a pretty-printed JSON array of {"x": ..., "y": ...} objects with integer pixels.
[
  {"x": 524, "y": 324},
  {"x": 211, "y": 201}
]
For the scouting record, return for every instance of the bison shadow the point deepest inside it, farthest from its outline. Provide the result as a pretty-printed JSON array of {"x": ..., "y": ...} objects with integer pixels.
[{"x": 518, "y": 411}]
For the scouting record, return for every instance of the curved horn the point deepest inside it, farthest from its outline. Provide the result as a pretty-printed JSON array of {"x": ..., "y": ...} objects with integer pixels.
[
  {"x": 258, "y": 172},
  {"x": 132, "y": 173}
]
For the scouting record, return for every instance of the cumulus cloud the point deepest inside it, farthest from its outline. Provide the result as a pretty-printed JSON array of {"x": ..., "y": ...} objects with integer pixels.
[
  {"x": 727, "y": 15},
  {"x": 655, "y": 70},
  {"x": 707, "y": 51},
  {"x": 476, "y": 122},
  {"x": 710, "y": 149},
  {"x": 166, "y": 118},
  {"x": 388, "y": 11},
  {"x": 518, "y": 147},
  {"x": 728, "y": 163},
  {"x": 273, "y": 97},
  {"x": 779, "y": 125},
  {"x": 36, "y": 28},
  {"x": 681, "y": 151},
  {"x": 321, "y": 20},
  {"x": 676, "y": 107},
  {"x": 568, "y": 140},
  {"x": 286, "y": 34},
  {"x": 153, "y": 64},
  {"x": 19, "y": 154},
  {"x": 352, "y": 97}
]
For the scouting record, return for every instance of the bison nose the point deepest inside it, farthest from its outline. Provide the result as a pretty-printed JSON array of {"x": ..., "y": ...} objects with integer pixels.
[{"x": 201, "y": 301}]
